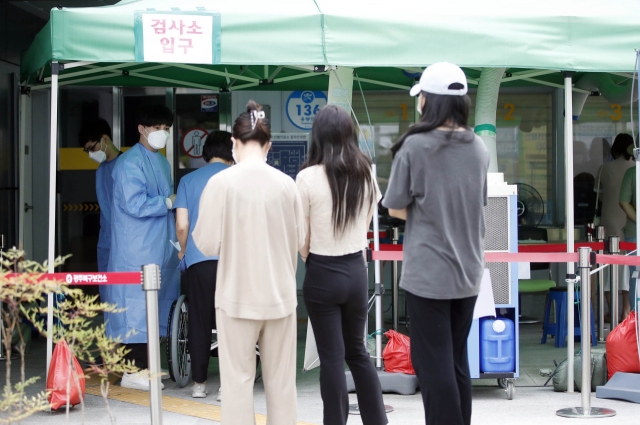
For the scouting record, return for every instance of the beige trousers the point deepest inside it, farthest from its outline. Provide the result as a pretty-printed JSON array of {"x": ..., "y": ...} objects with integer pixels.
[{"x": 277, "y": 341}]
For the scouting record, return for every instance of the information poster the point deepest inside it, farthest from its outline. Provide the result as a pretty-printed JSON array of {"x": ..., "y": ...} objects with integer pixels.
[{"x": 288, "y": 152}]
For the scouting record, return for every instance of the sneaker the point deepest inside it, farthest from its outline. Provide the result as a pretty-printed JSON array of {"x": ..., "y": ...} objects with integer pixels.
[
  {"x": 165, "y": 374},
  {"x": 219, "y": 397},
  {"x": 199, "y": 390},
  {"x": 137, "y": 381}
]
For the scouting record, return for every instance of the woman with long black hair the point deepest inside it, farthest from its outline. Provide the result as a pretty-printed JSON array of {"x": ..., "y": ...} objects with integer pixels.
[
  {"x": 339, "y": 194},
  {"x": 438, "y": 184}
]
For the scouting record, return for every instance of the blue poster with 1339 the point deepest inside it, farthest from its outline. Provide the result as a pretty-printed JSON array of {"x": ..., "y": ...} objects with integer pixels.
[{"x": 302, "y": 107}]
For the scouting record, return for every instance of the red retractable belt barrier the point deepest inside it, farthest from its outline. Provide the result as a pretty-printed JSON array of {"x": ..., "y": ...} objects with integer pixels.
[
  {"x": 387, "y": 247},
  {"x": 536, "y": 248},
  {"x": 79, "y": 278},
  {"x": 562, "y": 247},
  {"x": 383, "y": 234},
  {"x": 559, "y": 247},
  {"x": 390, "y": 252}
]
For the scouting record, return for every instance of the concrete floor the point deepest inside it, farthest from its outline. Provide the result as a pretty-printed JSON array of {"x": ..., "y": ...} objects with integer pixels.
[{"x": 533, "y": 402}]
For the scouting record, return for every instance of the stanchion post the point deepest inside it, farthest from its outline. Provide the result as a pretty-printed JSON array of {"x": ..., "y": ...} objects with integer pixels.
[
  {"x": 394, "y": 279},
  {"x": 585, "y": 318},
  {"x": 600, "y": 235},
  {"x": 614, "y": 247},
  {"x": 584, "y": 267},
  {"x": 588, "y": 230},
  {"x": 151, "y": 286}
]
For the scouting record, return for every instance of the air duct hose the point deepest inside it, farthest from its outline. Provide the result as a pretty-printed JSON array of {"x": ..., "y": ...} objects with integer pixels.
[
  {"x": 597, "y": 81},
  {"x": 486, "y": 105}
]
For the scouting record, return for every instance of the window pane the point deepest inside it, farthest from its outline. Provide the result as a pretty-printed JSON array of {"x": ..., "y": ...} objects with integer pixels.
[
  {"x": 594, "y": 133},
  {"x": 391, "y": 114},
  {"x": 524, "y": 137},
  {"x": 525, "y": 149}
]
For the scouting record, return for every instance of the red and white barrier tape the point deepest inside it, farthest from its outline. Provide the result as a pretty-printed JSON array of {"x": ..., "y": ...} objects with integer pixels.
[{"x": 80, "y": 278}]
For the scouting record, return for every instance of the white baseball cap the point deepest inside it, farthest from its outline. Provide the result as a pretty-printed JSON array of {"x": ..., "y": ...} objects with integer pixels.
[{"x": 442, "y": 78}]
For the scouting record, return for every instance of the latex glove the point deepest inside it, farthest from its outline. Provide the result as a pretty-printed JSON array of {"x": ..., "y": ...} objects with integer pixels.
[{"x": 170, "y": 201}]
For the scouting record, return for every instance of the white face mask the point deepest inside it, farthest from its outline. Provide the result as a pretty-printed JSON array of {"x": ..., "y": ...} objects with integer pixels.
[
  {"x": 233, "y": 152},
  {"x": 420, "y": 104},
  {"x": 99, "y": 156},
  {"x": 158, "y": 139}
]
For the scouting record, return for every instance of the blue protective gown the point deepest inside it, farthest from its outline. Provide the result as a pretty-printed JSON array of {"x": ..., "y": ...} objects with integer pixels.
[
  {"x": 142, "y": 228},
  {"x": 104, "y": 192}
]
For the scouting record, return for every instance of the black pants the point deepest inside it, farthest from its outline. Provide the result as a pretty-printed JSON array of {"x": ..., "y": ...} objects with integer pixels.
[
  {"x": 138, "y": 355},
  {"x": 335, "y": 293},
  {"x": 201, "y": 289},
  {"x": 439, "y": 331}
]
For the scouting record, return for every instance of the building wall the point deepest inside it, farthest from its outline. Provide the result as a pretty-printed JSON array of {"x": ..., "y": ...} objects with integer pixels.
[{"x": 17, "y": 30}]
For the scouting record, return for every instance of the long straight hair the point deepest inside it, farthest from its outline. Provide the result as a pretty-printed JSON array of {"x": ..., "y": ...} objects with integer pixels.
[
  {"x": 439, "y": 111},
  {"x": 334, "y": 144}
]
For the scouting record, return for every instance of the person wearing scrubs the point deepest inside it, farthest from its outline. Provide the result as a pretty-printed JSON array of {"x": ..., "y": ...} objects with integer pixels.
[
  {"x": 201, "y": 270},
  {"x": 95, "y": 138},
  {"x": 142, "y": 232}
]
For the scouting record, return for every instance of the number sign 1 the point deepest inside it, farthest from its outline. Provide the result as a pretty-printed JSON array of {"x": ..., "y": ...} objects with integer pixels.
[{"x": 302, "y": 107}]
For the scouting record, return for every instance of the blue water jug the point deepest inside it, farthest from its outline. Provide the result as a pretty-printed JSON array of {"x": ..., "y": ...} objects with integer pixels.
[{"x": 497, "y": 346}]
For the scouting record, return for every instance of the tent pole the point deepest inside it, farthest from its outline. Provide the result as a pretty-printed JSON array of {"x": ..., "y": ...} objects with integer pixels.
[
  {"x": 377, "y": 281},
  {"x": 568, "y": 158},
  {"x": 636, "y": 153},
  {"x": 53, "y": 151}
]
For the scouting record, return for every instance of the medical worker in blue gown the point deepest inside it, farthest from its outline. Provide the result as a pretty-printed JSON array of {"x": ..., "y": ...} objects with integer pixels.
[
  {"x": 143, "y": 228},
  {"x": 95, "y": 139}
]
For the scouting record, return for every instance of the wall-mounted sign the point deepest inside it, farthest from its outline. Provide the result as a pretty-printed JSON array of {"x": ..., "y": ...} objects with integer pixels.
[
  {"x": 209, "y": 103},
  {"x": 288, "y": 152},
  {"x": 193, "y": 142},
  {"x": 190, "y": 37},
  {"x": 302, "y": 107}
]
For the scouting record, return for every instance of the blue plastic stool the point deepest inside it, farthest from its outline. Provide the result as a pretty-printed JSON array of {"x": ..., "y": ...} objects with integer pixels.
[{"x": 559, "y": 329}]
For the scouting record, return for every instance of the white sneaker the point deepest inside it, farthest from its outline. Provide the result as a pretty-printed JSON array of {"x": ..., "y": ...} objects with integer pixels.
[
  {"x": 137, "y": 381},
  {"x": 219, "y": 397},
  {"x": 165, "y": 374},
  {"x": 199, "y": 390}
]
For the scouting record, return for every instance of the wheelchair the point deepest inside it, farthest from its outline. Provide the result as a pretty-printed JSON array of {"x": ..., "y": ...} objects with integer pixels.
[{"x": 178, "y": 357}]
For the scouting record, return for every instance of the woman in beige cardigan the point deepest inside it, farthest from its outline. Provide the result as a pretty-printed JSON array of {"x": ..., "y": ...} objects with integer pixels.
[{"x": 251, "y": 216}]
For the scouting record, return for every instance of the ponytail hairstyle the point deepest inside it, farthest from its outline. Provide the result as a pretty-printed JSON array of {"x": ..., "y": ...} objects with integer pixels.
[
  {"x": 439, "y": 110},
  {"x": 334, "y": 144},
  {"x": 252, "y": 125}
]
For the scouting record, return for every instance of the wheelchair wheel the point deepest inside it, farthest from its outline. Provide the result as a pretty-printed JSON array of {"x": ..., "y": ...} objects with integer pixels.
[{"x": 177, "y": 350}]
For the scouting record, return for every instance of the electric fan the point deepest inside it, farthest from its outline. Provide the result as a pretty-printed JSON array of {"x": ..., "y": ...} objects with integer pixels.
[{"x": 530, "y": 205}]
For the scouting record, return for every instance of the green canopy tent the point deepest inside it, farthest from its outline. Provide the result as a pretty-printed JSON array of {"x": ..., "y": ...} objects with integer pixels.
[{"x": 275, "y": 44}]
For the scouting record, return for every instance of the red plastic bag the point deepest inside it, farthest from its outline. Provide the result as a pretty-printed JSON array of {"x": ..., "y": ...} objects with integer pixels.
[
  {"x": 622, "y": 348},
  {"x": 397, "y": 354},
  {"x": 59, "y": 374}
]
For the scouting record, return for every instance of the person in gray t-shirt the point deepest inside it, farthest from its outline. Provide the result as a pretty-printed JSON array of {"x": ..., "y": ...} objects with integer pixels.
[{"x": 438, "y": 185}]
